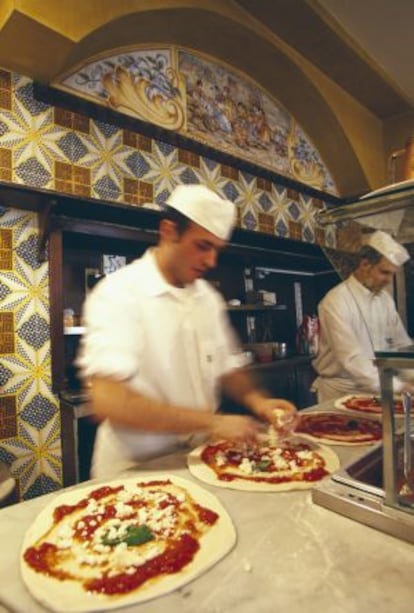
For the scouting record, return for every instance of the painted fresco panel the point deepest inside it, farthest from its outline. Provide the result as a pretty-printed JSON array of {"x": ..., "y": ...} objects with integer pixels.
[{"x": 202, "y": 99}]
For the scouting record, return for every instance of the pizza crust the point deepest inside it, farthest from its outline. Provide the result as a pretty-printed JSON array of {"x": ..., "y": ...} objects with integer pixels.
[
  {"x": 331, "y": 441},
  {"x": 69, "y": 596},
  {"x": 339, "y": 403},
  {"x": 202, "y": 471}
]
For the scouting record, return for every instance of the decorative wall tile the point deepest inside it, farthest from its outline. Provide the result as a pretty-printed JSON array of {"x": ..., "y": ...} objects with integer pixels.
[
  {"x": 72, "y": 179},
  {"x": 138, "y": 164},
  {"x": 6, "y": 249},
  {"x": 264, "y": 184},
  {"x": 320, "y": 236},
  {"x": 6, "y": 333},
  {"x": 266, "y": 223},
  {"x": 295, "y": 230},
  {"x": 73, "y": 121},
  {"x": 189, "y": 157},
  {"x": 229, "y": 172},
  {"x": 137, "y": 141},
  {"x": 5, "y": 90},
  {"x": 8, "y": 417},
  {"x": 5, "y": 164}
]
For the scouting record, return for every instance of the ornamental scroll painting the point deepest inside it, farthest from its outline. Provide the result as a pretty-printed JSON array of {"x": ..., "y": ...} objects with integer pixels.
[
  {"x": 143, "y": 84},
  {"x": 205, "y": 101}
]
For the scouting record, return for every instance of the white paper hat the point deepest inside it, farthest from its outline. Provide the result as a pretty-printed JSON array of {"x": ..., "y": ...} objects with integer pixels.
[
  {"x": 388, "y": 247},
  {"x": 205, "y": 208}
]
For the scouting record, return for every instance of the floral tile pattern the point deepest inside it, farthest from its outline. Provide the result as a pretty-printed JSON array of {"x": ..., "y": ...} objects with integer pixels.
[
  {"x": 29, "y": 414},
  {"x": 55, "y": 149}
]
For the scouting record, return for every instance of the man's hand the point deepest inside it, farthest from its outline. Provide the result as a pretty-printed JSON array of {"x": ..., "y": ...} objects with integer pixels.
[
  {"x": 281, "y": 414},
  {"x": 235, "y": 428},
  {"x": 408, "y": 387}
]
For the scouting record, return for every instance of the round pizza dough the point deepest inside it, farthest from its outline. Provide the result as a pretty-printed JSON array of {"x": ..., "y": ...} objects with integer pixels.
[
  {"x": 331, "y": 441},
  {"x": 203, "y": 472},
  {"x": 339, "y": 403},
  {"x": 69, "y": 596}
]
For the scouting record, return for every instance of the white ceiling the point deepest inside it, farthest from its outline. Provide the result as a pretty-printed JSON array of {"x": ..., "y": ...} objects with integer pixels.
[{"x": 383, "y": 29}]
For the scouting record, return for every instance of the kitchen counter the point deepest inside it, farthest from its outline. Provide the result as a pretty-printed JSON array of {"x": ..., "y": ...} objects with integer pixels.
[{"x": 290, "y": 555}]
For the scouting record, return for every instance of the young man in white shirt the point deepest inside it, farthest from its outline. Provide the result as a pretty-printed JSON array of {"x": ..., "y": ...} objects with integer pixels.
[{"x": 159, "y": 346}]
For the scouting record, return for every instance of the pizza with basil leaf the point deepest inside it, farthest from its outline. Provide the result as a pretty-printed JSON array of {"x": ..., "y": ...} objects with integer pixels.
[
  {"x": 123, "y": 543},
  {"x": 335, "y": 428},
  {"x": 266, "y": 466}
]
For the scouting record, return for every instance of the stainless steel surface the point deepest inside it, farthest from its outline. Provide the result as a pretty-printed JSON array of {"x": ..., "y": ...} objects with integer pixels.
[
  {"x": 389, "y": 363},
  {"x": 364, "y": 507},
  {"x": 357, "y": 492},
  {"x": 407, "y": 488},
  {"x": 388, "y": 434},
  {"x": 372, "y": 489},
  {"x": 392, "y": 198}
]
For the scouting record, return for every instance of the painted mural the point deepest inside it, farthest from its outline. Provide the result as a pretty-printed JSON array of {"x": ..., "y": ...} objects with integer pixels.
[
  {"x": 143, "y": 84},
  {"x": 201, "y": 99}
]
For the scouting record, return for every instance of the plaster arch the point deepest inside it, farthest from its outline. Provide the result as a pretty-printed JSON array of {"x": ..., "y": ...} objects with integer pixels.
[{"x": 239, "y": 46}]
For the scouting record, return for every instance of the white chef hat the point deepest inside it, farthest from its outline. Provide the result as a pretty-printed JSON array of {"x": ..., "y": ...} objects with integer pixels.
[
  {"x": 388, "y": 247},
  {"x": 205, "y": 208}
]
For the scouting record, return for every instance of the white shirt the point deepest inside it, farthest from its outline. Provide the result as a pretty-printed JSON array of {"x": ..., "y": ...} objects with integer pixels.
[
  {"x": 170, "y": 344},
  {"x": 354, "y": 323}
]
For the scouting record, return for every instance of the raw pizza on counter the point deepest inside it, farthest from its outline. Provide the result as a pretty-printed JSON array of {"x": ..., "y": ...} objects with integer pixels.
[
  {"x": 267, "y": 466},
  {"x": 338, "y": 428},
  {"x": 123, "y": 543},
  {"x": 366, "y": 404}
]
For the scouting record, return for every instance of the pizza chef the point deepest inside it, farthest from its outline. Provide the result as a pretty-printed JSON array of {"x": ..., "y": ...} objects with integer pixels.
[
  {"x": 158, "y": 345},
  {"x": 357, "y": 318}
]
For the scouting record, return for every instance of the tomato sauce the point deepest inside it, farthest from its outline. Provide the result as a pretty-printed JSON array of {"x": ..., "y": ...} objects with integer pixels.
[
  {"x": 42, "y": 559},
  {"x": 234, "y": 457},
  {"x": 66, "y": 509},
  {"x": 206, "y": 516},
  {"x": 177, "y": 555}
]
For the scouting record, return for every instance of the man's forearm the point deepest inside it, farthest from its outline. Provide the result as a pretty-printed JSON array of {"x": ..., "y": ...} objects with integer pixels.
[{"x": 114, "y": 400}]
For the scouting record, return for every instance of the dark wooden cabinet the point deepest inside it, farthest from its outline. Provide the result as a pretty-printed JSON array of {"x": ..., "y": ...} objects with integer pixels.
[{"x": 289, "y": 378}]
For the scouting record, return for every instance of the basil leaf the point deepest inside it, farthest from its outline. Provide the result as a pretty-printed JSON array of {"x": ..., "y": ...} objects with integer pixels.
[
  {"x": 263, "y": 465},
  {"x": 138, "y": 535},
  {"x": 134, "y": 535}
]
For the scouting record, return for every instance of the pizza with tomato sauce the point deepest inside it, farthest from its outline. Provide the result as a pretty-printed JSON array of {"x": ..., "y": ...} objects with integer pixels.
[
  {"x": 123, "y": 543},
  {"x": 267, "y": 466},
  {"x": 339, "y": 429},
  {"x": 367, "y": 404}
]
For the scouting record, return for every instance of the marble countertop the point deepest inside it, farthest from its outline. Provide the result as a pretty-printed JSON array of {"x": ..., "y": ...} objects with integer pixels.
[{"x": 291, "y": 555}]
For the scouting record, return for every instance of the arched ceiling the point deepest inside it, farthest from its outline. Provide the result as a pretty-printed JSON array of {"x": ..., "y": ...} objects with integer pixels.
[{"x": 271, "y": 41}]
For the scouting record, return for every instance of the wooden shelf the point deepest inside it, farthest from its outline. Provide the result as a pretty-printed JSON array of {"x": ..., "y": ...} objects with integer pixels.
[{"x": 258, "y": 307}]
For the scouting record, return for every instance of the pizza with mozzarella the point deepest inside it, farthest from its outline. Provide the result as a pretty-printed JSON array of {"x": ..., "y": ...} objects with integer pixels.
[
  {"x": 339, "y": 429},
  {"x": 366, "y": 404},
  {"x": 123, "y": 543},
  {"x": 267, "y": 466}
]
